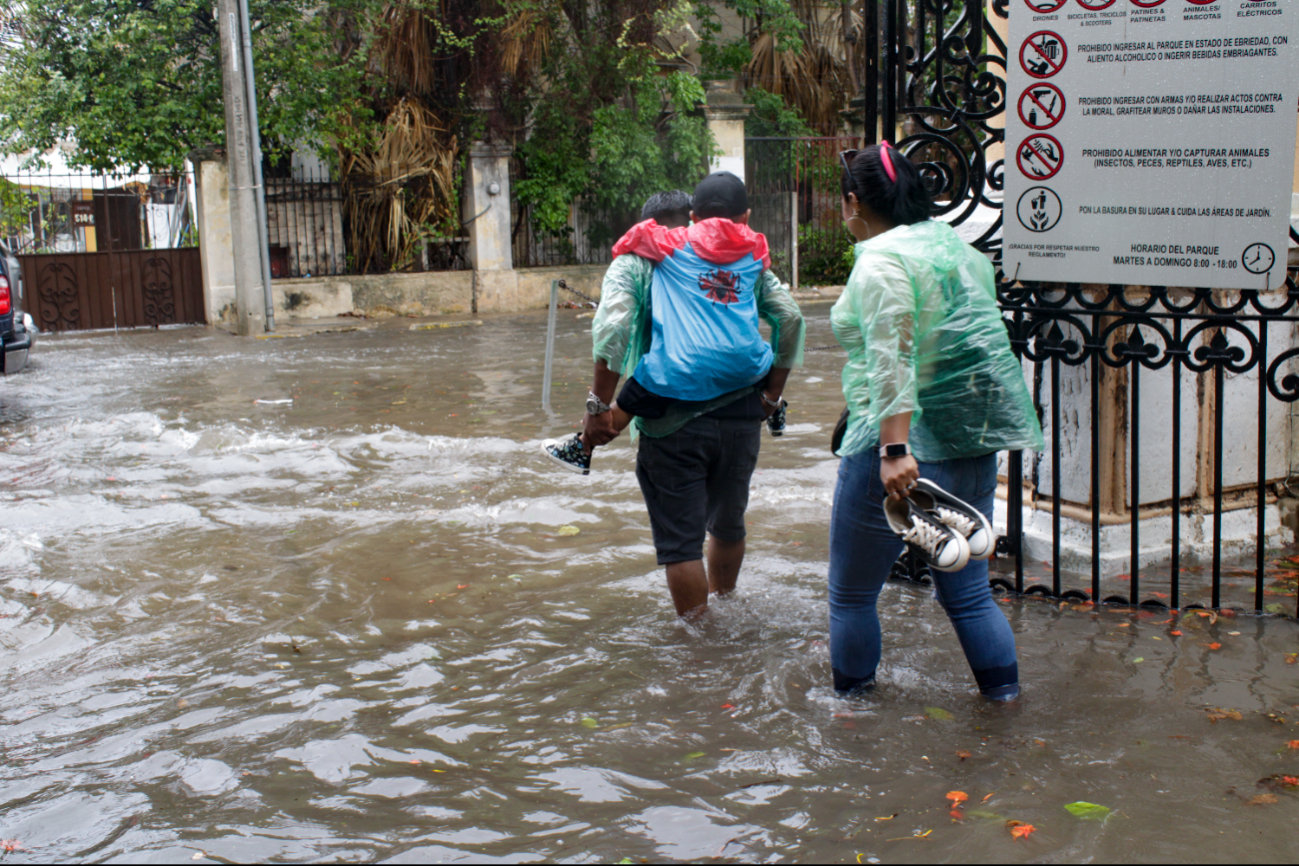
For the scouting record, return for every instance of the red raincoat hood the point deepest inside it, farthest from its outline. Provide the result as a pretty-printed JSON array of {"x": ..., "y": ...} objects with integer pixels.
[{"x": 717, "y": 241}]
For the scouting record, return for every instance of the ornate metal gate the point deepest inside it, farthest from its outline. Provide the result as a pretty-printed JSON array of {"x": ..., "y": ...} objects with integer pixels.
[
  {"x": 936, "y": 81},
  {"x": 82, "y": 291}
]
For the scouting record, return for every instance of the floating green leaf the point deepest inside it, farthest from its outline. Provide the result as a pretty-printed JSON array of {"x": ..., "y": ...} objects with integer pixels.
[
  {"x": 938, "y": 714},
  {"x": 1087, "y": 811},
  {"x": 568, "y": 530},
  {"x": 1275, "y": 608},
  {"x": 693, "y": 755},
  {"x": 1138, "y": 659},
  {"x": 589, "y": 722}
]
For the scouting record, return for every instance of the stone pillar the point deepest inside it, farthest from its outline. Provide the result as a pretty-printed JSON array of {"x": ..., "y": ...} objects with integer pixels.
[
  {"x": 487, "y": 207},
  {"x": 725, "y": 112},
  {"x": 487, "y": 217},
  {"x": 215, "y": 240}
]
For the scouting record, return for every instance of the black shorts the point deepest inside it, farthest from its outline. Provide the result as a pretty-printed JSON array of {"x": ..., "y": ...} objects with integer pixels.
[{"x": 696, "y": 481}]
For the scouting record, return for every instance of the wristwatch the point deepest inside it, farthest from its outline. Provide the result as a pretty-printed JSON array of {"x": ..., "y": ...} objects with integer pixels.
[
  {"x": 775, "y": 404},
  {"x": 596, "y": 406},
  {"x": 897, "y": 449}
]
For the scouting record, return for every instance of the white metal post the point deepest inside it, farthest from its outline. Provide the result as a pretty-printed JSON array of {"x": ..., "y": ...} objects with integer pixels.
[
  {"x": 793, "y": 240},
  {"x": 550, "y": 345}
]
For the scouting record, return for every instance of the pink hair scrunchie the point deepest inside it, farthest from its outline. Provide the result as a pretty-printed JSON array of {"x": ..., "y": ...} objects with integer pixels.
[{"x": 888, "y": 161}]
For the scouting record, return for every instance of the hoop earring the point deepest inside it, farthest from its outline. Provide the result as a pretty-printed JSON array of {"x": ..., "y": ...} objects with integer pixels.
[{"x": 863, "y": 222}]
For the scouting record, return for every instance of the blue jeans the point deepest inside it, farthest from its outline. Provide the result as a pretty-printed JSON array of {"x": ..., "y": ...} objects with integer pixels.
[{"x": 862, "y": 551}]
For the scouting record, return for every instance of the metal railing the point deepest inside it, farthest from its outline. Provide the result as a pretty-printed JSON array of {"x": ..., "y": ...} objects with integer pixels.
[
  {"x": 47, "y": 212},
  {"x": 321, "y": 226},
  {"x": 1164, "y": 409},
  {"x": 793, "y": 186}
]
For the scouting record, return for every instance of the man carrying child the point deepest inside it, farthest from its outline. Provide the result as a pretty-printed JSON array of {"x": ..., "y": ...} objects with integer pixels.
[{"x": 679, "y": 313}]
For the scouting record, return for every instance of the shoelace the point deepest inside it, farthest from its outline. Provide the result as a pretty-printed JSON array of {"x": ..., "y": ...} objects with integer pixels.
[
  {"x": 924, "y": 535},
  {"x": 956, "y": 520}
]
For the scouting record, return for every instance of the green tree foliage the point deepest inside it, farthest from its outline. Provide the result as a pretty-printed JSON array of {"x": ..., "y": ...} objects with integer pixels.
[{"x": 138, "y": 82}]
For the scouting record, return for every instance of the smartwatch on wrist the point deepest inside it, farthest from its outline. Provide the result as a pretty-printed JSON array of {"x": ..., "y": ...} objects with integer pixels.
[
  {"x": 897, "y": 449},
  {"x": 596, "y": 406}
]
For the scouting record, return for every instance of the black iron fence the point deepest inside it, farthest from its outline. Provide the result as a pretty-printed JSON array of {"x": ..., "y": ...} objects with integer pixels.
[
  {"x": 585, "y": 237},
  {"x": 1170, "y": 440},
  {"x": 322, "y": 225},
  {"x": 793, "y": 186}
]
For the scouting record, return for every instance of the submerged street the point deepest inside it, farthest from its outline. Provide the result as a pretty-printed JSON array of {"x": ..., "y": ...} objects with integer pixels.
[{"x": 320, "y": 597}]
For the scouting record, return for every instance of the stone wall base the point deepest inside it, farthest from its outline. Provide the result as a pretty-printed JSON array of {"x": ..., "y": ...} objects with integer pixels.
[{"x": 440, "y": 293}]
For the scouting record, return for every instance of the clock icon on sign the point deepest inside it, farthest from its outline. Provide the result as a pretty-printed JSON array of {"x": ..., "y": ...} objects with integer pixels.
[{"x": 1258, "y": 258}]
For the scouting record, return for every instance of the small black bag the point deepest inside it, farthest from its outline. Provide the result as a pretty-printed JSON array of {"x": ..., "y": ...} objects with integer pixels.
[{"x": 836, "y": 438}]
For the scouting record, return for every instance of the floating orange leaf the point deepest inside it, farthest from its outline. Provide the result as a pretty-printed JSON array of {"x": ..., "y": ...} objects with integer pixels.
[
  {"x": 962, "y": 754},
  {"x": 1264, "y": 800},
  {"x": 957, "y": 796},
  {"x": 1020, "y": 830},
  {"x": 10, "y": 845},
  {"x": 1175, "y": 633},
  {"x": 956, "y": 815},
  {"x": 988, "y": 797},
  {"x": 1215, "y": 646}
]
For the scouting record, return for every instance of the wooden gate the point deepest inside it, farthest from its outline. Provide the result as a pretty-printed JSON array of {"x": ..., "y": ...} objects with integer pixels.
[{"x": 140, "y": 288}]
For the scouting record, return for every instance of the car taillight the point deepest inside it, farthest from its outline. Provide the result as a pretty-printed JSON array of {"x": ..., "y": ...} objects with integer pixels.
[{"x": 6, "y": 306}]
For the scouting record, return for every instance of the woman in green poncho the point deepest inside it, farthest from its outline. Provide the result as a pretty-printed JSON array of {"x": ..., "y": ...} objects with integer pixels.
[{"x": 929, "y": 367}]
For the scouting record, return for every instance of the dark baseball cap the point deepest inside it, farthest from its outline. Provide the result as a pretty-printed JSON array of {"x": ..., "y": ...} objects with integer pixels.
[{"x": 721, "y": 194}]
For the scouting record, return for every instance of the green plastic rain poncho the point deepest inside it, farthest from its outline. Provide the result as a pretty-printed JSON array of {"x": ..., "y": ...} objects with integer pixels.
[
  {"x": 919, "y": 319},
  {"x": 621, "y": 333}
]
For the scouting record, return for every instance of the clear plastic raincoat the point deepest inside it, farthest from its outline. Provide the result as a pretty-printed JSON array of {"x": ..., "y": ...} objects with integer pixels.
[{"x": 920, "y": 322}]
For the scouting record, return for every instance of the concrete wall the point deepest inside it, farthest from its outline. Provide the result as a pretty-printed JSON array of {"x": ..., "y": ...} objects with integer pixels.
[{"x": 439, "y": 293}]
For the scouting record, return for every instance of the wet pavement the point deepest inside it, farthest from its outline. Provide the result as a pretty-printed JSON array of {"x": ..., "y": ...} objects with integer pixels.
[{"x": 319, "y": 597}]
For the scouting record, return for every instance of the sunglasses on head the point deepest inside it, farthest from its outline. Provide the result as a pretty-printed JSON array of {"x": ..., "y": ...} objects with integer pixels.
[{"x": 846, "y": 157}]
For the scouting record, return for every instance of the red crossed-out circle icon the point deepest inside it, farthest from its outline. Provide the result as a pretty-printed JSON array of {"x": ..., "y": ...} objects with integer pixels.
[
  {"x": 1203, "y": 2},
  {"x": 1148, "y": 4},
  {"x": 1041, "y": 106},
  {"x": 1097, "y": 5},
  {"x": 1043, "y": 54},
  {"x": 1040, "y": 157},
  {"x": 1043, "y": 6}
]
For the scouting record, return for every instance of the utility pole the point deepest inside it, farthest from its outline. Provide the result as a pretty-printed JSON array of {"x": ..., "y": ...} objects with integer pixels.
[{"x": 244, "y": 235}]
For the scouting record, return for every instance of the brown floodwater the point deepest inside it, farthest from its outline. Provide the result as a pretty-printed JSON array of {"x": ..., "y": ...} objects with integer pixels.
[{"x": 320, "y": 597}]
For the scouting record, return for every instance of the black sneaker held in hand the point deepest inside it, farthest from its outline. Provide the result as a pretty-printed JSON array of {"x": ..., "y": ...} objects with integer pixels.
[
  {"x": 958, "y": 514},
  {"x": 938, "y": 545},
  {"x": 569, "y": 453},
  {"x": 776, "y": 421}
]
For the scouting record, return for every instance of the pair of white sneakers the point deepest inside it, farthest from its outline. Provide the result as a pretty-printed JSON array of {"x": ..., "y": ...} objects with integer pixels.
[{"x": 944, "y": 531}]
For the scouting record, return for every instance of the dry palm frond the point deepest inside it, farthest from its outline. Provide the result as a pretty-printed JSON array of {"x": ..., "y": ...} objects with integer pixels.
[
  {"x": 405, "y": 182},
  {"x": 525, "y": 42},
  {"x": 404, "y": 51},
  {"x": 814, "y": 79}
]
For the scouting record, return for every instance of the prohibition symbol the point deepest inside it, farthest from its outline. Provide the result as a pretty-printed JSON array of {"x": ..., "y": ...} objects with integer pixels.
[
  {"x": 1042, "y": 106},
  {"x": 1052, "y": 5},
  {"x": 1040, "y": 157},
  {"x": 1043, "y": 54},
  {"x": 1203, "y": 2},
  {"x": 1147, "y": 4},
  {"x": 1098, "y": 5},
  {"x": 1039, "y": 209}
]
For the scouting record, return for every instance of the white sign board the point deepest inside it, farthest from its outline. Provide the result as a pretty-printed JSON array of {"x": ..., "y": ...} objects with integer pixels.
[{"x": 1151, "y": 142}]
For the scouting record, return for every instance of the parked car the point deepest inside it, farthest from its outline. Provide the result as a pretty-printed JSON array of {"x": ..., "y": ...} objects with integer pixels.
[{"x": 17, "y": 330}]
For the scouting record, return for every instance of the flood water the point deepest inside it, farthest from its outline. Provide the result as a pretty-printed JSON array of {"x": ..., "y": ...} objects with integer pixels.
[{"x": 320, "y": 598}]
